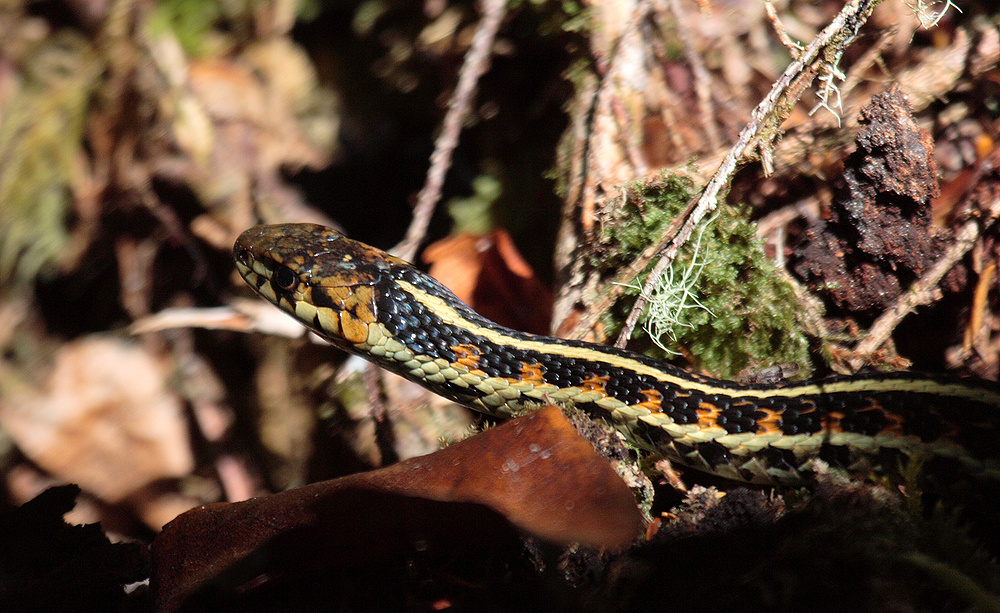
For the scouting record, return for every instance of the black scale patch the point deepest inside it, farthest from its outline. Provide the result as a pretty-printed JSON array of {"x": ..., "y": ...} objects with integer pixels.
[
  {"x": 838, "y": 456},
  {"x": 738, "y": 419},
  {"x": 715, "y": 453},
  {"x": 322, "y": 297},
  {"x": 782, "y": 459},
  {"x": 423, "y": 333},
  {"x": 414, "y": 325},
  {"x": 800, "y": 417}
]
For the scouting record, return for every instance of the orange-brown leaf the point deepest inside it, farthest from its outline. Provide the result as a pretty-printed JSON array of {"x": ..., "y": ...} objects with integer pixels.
[
  {"x": 535, "y": 471},
  {"x": 488, "y": 273}
]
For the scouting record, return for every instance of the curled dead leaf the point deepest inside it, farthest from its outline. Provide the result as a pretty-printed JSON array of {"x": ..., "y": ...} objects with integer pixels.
[
  {"x": 488, "y": 273},
  {"x": 103, "y": 419},
  {"x": 535, "y": 472}
]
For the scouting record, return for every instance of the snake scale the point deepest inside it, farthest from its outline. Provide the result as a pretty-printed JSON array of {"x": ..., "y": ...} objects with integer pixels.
[{"x": 386, "y": 310}]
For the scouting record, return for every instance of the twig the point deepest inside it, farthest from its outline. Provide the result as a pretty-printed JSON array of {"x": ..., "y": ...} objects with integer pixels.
[
  {"x": 841, "y": 31},
  {"x": 702, "y": 79},
  {"x": 635, "y": 156},
  {"x": 475, "y": 65},
  {"x": 922, "y": 291},
  {"x": 779, "y": 28},
  {"x": 612, "y": 291}
]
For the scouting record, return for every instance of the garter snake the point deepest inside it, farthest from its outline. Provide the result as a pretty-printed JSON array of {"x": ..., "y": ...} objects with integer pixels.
[{"x": 384, "y": 309}]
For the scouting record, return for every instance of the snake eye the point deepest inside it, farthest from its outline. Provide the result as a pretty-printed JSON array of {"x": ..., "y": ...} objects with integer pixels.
[{"x": 285, "y": 279}]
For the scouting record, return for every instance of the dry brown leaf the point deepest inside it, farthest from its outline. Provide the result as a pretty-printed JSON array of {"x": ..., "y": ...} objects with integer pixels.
[
  {"x": 236, "y": 127},
  {"x": 535, "y": 471},
  {"x": 232, "y": 95},
  {"x": 103, "y": 419}
]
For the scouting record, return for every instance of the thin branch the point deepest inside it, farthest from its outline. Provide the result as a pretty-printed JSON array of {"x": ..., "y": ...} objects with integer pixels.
[
  {"x": 841, "y": 31},
  {"x": 702, "y": 78},
  {"x": 922, "y": 290},
  {"x": 612, "y": 291},
  {"x": 779, "y": 28},
  {"x": 476, "y": 63}
]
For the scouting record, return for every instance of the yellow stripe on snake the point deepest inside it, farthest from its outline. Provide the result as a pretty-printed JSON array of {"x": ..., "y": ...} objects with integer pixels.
[{"x": 384, "y": 309}]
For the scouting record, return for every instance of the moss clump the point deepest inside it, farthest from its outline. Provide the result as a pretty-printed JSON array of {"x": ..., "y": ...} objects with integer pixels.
[
  {"x": 741, "y": 314},
  {"x": 646, "y": 211},
  {"x": 40, "y": 143},
  {"x": 751, "y": 314}
]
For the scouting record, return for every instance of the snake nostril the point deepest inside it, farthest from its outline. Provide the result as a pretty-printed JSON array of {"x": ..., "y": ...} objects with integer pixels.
[{"x": 243, "y": 256}]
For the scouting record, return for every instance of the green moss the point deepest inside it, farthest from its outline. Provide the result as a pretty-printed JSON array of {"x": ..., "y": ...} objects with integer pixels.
[
  {"x": 474, "y": 214},
  {"x": 205, "y": 27},
  {"x": 645, "y": 213},
  {"x": 578, "y": 16},
  {"x": 742, "y": 313},
  {"x": 752, "y": 315},
  {"x": 189, "y": 20},
  {"x": 40, "y": 144}
]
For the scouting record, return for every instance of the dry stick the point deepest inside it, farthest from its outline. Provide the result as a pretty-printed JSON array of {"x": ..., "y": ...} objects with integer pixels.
[
  {"x": 613, "y": 291},
  {"x": 779, "y": 29},
  {"x": 922, "y": 291},
  {"x": 843, "y": 29},
  {"x": 475, "y": 65},
  {"x": 702, "y": 79}
]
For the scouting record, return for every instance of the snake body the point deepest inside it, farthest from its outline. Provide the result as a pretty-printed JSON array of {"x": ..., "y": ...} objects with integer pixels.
[{"x": 382, "y": 308}]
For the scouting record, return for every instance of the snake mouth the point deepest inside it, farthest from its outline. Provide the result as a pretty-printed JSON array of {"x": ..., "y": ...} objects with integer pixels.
[
  {"x": 252, "y": 268},
  {"x": 330, "y": 291}
]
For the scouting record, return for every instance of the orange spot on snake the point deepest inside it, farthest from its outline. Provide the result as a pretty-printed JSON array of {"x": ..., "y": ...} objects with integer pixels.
[
  {"x": 653, "y": 402},
  {"x": 354, "y": 330},
  {"x": 364, "y": 312},
  {"x": 595, "y": 384},
  {"x": 708, "y": 415},
  {"x": 341, "y": 291},
  {"x": 532, "y": 373},
  {"x": 770, "y": 423},
  {"x": 364, "y": 294},
  {"x": 467, "y": 356}
]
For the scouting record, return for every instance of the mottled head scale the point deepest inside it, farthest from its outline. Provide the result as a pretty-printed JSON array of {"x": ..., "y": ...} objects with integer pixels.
[
  {"x": 298, "y": 246},
  {"x": 299, "y": 267}
]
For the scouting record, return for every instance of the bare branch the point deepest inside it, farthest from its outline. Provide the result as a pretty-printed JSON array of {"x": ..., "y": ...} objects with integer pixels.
[
  {"x": 841, "y": 32},
  {"x": 476, "y": 63}
]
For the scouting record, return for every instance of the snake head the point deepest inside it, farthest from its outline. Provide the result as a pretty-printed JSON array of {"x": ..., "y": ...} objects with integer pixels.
[{"x": 324, "y": 279}]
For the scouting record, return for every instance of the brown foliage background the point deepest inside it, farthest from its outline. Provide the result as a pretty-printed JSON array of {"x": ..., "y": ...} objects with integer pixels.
[{"x": 138, "y": 139}]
